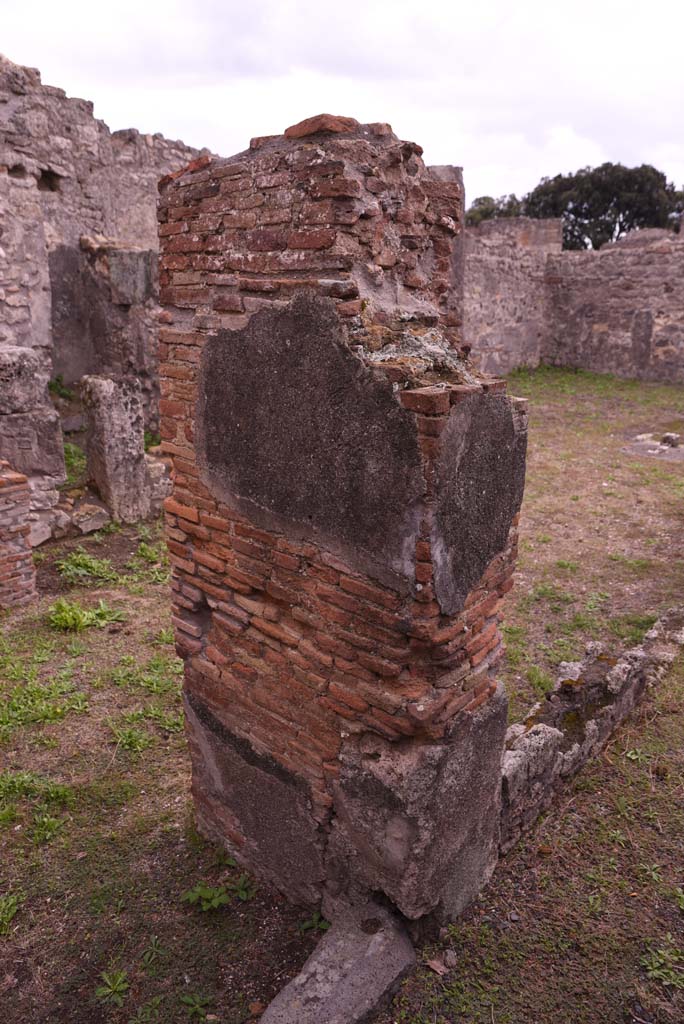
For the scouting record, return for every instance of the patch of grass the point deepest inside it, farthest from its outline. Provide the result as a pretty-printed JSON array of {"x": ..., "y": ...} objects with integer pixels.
[
  {"x": 665, "y": 964},
  {"x": 166, "y": 720},
  {"x": 151, "y": 440},
  {"x": 80, "y": 567},
  {"x": 554, "y": 596},
  {"x": 24, "y": 785},
  {"x": 207, "y": 897},
  {"x": 34, "y": 703},
  {"x": 540, "y": 681},
  {"x": 127, "y": 737},
  {"x": 159, "y": 675},
  {"x": 516, "y": 644},
  {"x": 57, "y": 387},
  {"x": 315, "y": 923},
  {"x": 148, "y": 1013},
  {"x": 631, "y": 627},
  {"x": 71, "y": 617},
  {"x": 45, "y": 827},
  {"x": 9, "y": 907},
  {"x": 114, "y": 987},
  {"x": 579, "y": 622},
  {"x": 638, "y": 566},
  {"x": 196, "y": 1005},
  {"x": 75, "y": 463},
  {"x": 150, "y": 564}
]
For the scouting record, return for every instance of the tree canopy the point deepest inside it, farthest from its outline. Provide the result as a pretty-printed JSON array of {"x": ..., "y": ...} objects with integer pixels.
[{"x": 597, "y": 205}]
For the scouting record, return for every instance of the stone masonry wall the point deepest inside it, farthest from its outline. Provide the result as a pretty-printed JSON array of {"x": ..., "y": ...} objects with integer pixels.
[
  {"x": 17, "y": 571},
  {"x": 63, "y": 176},
  {"x": 342, "y": 528},
  {"x": 619, "y": 310},
  {"x": 506, "y": 314}
]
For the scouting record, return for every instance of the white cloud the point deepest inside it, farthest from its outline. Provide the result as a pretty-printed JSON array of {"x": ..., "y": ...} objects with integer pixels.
[{"x": 512, "y": 92}]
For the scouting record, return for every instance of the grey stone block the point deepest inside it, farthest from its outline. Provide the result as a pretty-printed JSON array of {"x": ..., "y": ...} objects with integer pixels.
[
  {"x": 116, "y": 452},
  {"x": 24, "y": 376},
  {"x": 355, "y": 968}
]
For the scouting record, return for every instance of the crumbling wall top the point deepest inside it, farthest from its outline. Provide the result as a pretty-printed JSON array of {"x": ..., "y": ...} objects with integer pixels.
[{"x": 347, "y": 209}]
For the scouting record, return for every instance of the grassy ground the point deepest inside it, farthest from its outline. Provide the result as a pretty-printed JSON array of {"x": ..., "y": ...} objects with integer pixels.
[{"x": 97, "y": 847}]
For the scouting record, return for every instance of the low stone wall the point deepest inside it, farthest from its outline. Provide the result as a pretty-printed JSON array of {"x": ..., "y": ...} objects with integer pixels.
[
  {"x": 589, "y": 701},
  {"x": 17, "y": 572}
]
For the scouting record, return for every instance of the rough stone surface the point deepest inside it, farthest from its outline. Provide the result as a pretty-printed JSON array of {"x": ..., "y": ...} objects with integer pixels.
[
  {"x": 419, "y": 822},
  {"x": 312, "y": 374},
  {"x": 619, "y": 310},
  {"x": 115, "y": 446},
  {"x": 318, "y": 406},
  {"x": 354, "y": 970},
  {"x": 88, "y": 518},
  {"x": 590, "y": 699},
  {"x": 481, "y": 475},
  {"x": 17, "y": 571},
  {"x": 506, "y": 314},
  {"x": 321, "y": 123},
  {"x": 63, "y": 176},
  {"x": 105, "y": 315}
]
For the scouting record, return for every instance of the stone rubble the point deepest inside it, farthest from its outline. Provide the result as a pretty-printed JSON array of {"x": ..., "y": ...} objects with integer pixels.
[{"x": 560, "y": 734}]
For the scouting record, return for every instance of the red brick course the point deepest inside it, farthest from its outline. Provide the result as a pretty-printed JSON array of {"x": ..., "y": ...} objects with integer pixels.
[{"x": 17, "y": 571}]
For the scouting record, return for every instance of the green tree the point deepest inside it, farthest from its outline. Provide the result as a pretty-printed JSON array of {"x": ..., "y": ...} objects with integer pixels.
[
  {"x": 485, "y": 207},
  {"x": 597, "y": 205},
  {"x": 601, "y": 204}
]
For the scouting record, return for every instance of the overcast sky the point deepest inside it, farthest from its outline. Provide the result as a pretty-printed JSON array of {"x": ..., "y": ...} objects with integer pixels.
[{"x": 511, "y": 91}]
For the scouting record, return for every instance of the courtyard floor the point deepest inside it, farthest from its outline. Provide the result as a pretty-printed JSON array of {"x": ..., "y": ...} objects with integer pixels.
[{"x": 103, "y": 877}]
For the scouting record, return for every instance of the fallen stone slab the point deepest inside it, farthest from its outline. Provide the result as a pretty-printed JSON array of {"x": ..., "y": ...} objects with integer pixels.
[
  {"x": 356, "y": 967},
  {"x": 88, "y": 518}
]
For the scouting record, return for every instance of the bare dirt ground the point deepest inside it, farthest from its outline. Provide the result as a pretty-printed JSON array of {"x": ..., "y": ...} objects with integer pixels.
[{"x": 582, "y": 924}]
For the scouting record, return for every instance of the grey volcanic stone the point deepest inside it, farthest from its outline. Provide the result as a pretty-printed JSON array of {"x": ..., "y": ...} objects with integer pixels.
[
  {"x": 420, "y": 822},
  {"x": 23, "y": 379},
  {"x": 116, "y": 446},
  {"x": 356, "y": 967}
]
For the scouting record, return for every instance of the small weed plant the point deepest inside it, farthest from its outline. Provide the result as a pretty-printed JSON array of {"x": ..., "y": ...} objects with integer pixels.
[
  {"x": 71, "y": 617},
  {"x": 9, "y": 906},
  {"x": 207, "y": 897},
  {"x": 114, "y": 987},
  {"x": 80, "y": 567},
  {"x": 665, "y": 964}
]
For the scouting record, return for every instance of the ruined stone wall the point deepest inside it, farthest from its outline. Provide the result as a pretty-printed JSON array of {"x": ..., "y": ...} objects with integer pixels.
[
  {"x": 78, "y": 275},
  {"x": 619, "y": 310},
  {"x": 342, "y": 528},
  {"x": 506, "y": 314},
  {"x": 17, "y": 571}
]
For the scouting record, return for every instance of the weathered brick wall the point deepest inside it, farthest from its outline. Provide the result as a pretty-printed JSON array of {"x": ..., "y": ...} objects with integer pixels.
[
  {"x": 17, "y": 572},
  {"x": 506, "y": 314},
  {"x": 342, "y": 528},
  {"x": 620, "y": 310}
]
